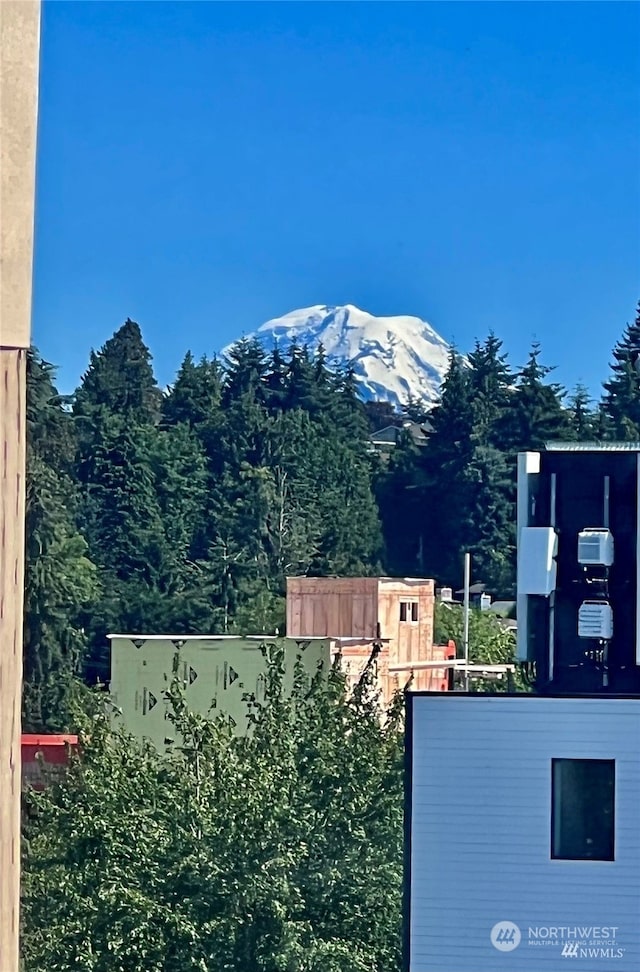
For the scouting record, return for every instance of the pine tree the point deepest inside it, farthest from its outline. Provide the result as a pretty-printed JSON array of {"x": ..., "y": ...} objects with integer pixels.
[
  {"x": 381, "y": 414},
  {"x": 621, "y": 402},
  {"x": 415, "y": 409},
  {"x": 440, "y": 530},
  {"x": 490, "y": 521},
  {"x": 457, "y": 493},
  {"x": 120, "y": 379},
  {"x": 61, "y": 580},
  {"x": 245, "y": 373},
  {"x": 536, "y": 414},
  {"x": 583, "y": 419},
  {"x": 195, "y": 395},
  {"x": 276, "y": 380},
  {"x": 301, "y": 383},
  {"x": 491, "y": 382}
]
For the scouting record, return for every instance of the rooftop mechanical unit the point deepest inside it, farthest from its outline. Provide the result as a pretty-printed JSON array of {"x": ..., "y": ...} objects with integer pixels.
[
  {"x": 595, "y": 547},
  {"x": 595, "y": 620}
]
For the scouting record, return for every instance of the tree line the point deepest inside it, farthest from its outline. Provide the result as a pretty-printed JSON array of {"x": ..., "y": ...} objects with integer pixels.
[{"x": 184, "y": 509}]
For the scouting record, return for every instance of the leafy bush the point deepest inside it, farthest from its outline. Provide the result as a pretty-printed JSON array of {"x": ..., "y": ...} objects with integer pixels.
[{"x": 278, "y": 852}]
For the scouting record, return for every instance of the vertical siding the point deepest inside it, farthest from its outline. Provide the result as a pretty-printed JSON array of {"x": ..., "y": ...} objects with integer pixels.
[
  {"x": 409, "y": 640},
  {"x": 480, "y": 831},
  {"x": 12, "y": 500},
  {"x": 19, "y": 50},
  {"x": 354, "y": 607},
  {"x": 332, "y": 607}
]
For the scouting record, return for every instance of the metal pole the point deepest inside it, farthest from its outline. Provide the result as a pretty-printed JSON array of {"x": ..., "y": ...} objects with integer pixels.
[{"x": 465, "y": 636}]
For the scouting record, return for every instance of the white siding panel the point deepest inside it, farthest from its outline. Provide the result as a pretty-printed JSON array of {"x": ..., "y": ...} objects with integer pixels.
[{"x": 481, "y": 828}]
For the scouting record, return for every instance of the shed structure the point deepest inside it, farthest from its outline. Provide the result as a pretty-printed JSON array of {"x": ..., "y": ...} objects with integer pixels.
[{"x": 390, "y": 616}]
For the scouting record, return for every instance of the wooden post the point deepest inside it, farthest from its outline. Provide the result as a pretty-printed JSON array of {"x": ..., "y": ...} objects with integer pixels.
[{"x": 19, "y": 57}]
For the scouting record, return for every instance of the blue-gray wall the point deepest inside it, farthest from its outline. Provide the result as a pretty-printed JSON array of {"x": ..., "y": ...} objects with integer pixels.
[{"x": 480, "y": 831}]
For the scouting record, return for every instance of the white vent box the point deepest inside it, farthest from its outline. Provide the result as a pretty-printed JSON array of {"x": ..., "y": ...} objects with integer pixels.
[
  {"x": 537, "y": 547},
  {"x": 595, "y": 547},
  {"x": 595, "y": 620}
]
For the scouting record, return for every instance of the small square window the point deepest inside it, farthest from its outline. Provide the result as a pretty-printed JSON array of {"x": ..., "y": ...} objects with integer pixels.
[{"x": 583, "y": 809}]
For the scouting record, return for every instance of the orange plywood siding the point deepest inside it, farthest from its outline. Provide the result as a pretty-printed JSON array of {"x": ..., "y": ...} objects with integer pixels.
[
  {"x": 410, "y": 640},
  {"x": 355, "y": 656},
  {"x": 368, "y": 609},
  {"x": 331, "y": 607}
]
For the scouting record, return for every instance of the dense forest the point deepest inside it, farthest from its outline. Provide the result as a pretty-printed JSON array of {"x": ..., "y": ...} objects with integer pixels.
[{"x": 184, "y": 510}]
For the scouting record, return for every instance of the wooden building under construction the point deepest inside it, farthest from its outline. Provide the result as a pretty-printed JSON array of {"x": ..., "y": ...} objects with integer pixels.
[{"x": 389, "y": 618}]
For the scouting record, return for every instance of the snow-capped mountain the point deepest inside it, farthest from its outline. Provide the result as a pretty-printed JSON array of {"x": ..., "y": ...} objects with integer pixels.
[{"x": 394, "y": 358}]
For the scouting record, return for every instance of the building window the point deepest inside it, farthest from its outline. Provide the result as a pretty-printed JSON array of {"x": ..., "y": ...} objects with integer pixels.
[
  {"x": 408, "y": 610},
  {"x": 583, "y": 809}
]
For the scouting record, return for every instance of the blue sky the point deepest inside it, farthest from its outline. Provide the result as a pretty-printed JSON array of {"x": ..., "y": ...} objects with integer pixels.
[{"x": 206, "y": 166}]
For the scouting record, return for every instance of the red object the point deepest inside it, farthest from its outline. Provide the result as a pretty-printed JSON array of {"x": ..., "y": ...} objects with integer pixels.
[
  {"x": 442, "y": 681},
  {"x": 44, "y": 757}
]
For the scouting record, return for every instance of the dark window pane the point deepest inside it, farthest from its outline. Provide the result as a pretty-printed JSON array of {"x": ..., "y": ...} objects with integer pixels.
[
  {"x": 403, "y": 610},
  {"x": 583, "y": 809},
  {"x": 414, "y": 611}
]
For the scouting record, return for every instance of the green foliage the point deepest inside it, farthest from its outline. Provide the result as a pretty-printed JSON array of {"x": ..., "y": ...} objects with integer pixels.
[
  {"x": 61, "y": 581},
  {"x": 490, "y": 642},
  {"x": 584, "y": 421},
  {"x": 195, "y": 505},
  {"x": 120, "y": 379},
  {"x": 281, "y": 852},
  {"x": 621, "y": 402},
  {"x": 536, "y": 414}
]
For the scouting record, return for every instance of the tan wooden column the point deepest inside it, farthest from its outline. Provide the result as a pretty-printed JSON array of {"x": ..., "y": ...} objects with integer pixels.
[{"x": 19, "y": 58}]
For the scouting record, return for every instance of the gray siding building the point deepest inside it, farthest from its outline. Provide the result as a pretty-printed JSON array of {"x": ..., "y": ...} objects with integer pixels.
[{"x": 540, "y": 870}]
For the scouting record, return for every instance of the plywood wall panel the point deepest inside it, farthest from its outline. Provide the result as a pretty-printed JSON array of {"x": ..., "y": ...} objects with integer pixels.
[
  {"x": 12, "y": 506},
  {"x": 368, "y": 608}
]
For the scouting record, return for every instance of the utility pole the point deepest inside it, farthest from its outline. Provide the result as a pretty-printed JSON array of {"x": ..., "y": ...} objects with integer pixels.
[
  {"x": 465, "y": 636},
  {"x": 19, "y": 61}
]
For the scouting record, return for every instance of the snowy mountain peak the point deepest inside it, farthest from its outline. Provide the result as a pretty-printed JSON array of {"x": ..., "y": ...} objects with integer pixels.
[{"x": 394, "y": 358}]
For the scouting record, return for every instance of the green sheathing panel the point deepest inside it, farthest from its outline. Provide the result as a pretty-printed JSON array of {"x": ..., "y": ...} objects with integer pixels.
[{"x": 216, "y": 673}]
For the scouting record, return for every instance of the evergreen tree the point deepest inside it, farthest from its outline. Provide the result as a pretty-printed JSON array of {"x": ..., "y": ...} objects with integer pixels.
[
  {"x": 536, "y": 414},
  {"x": 490, "y": 534},
  {"x": 121, "y": 517},
  {"x": 491, "y": 389},
  {"x": 120, "y": 379},
  {"x": 276, "y": 380},
  {"x": 442, "y": 487},
  {"x": 301, "y": 380},
  {"x": 195, "y": 395},
  {"x": 61, "y": 581},
  {"x": 245, "y": 373},
  {"x": 416, "y": 410},
  {"x": 458, "y": 492},
  {"x": 621, "y": 403},
  {"x": 381, "y": 414},
  {"x": 583, "y": 419}
]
